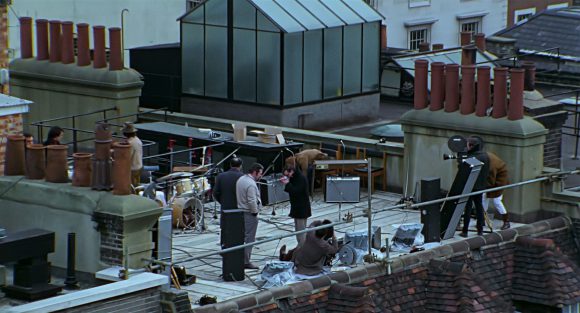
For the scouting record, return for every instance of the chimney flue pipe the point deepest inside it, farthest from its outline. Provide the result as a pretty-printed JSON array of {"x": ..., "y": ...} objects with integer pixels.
[
  {"x": 68, "y": 55},
  {"x": 437, "y": 85},
  {"x": 84, "y": 54},
  {"x": 451, "y": 87},
  {"x": 499, "y": 92},
  {"x": 115, "y": 57},
  {"x": 465, "y": 38},
  {"x": 483, "y": 90},
  {"x": 26, "y": 37},
  {"x": 516, "y": 107},
  {"x": 99, "y": 57},
  {"x": 41, "y": 39},
  {"x": 529, "y": 76},
  {"x": 420, "y": 99},
  {"x": 54, "y": 41},
  {"x": 467, "y": 89},
  {"x": 480, "y": 41}
]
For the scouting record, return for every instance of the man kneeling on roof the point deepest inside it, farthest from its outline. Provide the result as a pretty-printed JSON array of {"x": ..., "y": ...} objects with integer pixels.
[{"x": 316, "y": 252}]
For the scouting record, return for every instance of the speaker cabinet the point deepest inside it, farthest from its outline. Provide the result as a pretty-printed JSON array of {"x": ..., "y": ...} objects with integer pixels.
[
  {"x": 342, "y": 189},
  {"x": 430, "y": 214},
  {"x": 272, "y": 190}
]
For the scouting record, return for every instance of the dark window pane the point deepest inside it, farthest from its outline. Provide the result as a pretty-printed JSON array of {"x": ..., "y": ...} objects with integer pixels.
[
  {"x": 292, "y": 68},
  {"x": 192, "y": 56},
  {"x": 216, "y": 62},
  {"x": 312, "y": 65},
  {"x": 216, "y": 12},
  {"x": 371, "y": 49},
  {"x": 332, "y": 62},
  {"x": 352, "y": 59},
  {"x": 268, "y": 68},
  {"x": 244, "y": 15},
  {"x": 245, "y": 65}
]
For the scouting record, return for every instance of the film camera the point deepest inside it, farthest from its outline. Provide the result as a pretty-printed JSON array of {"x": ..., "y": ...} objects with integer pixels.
[{"x": 458, "y": 144}]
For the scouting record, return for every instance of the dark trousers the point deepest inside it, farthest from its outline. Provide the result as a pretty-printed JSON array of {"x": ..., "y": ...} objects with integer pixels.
[
  {"x": 477, "y": 201},
  {"x": 232, "y": 234}
]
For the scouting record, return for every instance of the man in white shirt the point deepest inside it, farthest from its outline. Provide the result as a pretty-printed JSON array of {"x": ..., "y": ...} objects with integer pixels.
[
  {"x": 248, "y": 196},
  {"x": 130, "y": 132}
]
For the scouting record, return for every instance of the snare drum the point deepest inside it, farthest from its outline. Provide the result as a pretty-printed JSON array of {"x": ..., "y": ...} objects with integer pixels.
[
  {"x": 201, "y": 185},
  {"x": 183, "y": 186}
]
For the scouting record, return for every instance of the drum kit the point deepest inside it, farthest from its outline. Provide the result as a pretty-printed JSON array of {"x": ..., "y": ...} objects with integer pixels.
[{"x": 186, "y": 194}]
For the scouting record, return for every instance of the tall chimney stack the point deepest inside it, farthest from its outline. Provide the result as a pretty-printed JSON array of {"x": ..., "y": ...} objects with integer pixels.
[
  {"x": 420, "y": 99},
  {"x": 516, "y": 107},
  {"x": 451, "y": 87},
  {"x": 68, "y": 55},
  {"x": 467, "y": 89},
  {"x": 483, "y": 90},
  {"x": 55, "y": 41},
  {"x": 26, "y": 37},
  {"x": 41, "y": 39},
  {"x": 437, "y": 85},
  {"x": 84, "y": 53},
  {"x": 115, "y": 56},
  {"x": 99, "y": 57},
  {"x": 499, "y": 92}
]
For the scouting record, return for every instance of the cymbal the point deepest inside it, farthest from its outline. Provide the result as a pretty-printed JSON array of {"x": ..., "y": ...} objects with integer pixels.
[{"x": 175, "y": 175}]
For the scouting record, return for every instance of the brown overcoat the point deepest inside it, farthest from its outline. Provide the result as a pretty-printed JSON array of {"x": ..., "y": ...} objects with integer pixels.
[
  {"x": 498, "y": 175},
  {"x": 306, "y": 157}
]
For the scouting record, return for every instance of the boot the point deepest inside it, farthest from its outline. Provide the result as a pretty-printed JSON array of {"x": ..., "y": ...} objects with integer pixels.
[
  {"x": 479, "y": 231},
  {"x": 283, "y": 253},
  {"x": 506, "y": 221}
]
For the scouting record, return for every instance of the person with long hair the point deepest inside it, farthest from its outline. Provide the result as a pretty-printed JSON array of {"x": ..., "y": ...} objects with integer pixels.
[{"x": 54, "y": 136}]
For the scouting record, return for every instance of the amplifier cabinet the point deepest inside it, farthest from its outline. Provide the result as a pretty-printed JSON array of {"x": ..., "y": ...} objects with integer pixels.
[
  {"x": 342, "y": 189},
  {"x": 272, "y": 190}
]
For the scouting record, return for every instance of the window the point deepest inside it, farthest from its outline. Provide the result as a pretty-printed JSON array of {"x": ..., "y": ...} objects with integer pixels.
[
  {"x": 472, "y": 25},
  {"x": 524, "y": 14},
  {"x": 190, "y": 4},
  {"x": 419, "y": 3},
  {"x": 573, "y": 308},
  {"x": 417, "y": 36}
]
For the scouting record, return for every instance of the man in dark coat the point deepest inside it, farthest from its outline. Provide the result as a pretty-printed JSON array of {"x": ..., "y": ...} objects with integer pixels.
[
  {"x": 296, "y": 186},
  {"x": 309, "y": 259},
  {"x": 474, "y": 150},
  {"x": 231, "y": 220}
]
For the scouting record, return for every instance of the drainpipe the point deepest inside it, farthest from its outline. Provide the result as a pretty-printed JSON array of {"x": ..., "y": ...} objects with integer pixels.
[
  {"x": 68, "y": 55},
  {"x": 437, "y": 85},
  {"x": 482, "y": 90},
  {"x": 84, "y": 54},
  {"x": 26, "y": 37},
  {"x": 41, "y": 40},
  {"x": 467, "y": 89},
  {"x": 499, "y": 92},
  {"x": 99, "y": 57},
  {"x": 516, "y": 107},
  {"x": 54, "y": 41},
  {"x": 420, "y": 99},
  {"x": 451, "y": 88}
]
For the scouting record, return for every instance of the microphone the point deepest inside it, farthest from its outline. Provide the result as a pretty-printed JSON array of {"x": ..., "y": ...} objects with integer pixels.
[
  {"x": 292, "y": 152},
  {"x": 343, "y": 146}
]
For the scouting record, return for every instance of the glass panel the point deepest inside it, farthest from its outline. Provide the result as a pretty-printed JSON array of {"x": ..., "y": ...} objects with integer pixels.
[
  {"x": 352, "y": 47},
  {"x": 332, "y": 62},
  {"x": 279, "y": 16},
  {"x": 312, "y": 65},
  {"x": 300, "y": 14},
  {"x": 216, "y": 69},
  {"x": 216, "y": 12},
  {"x": 268, "y": 68},
  {"x": 265, "y": 24},
  {"x": 244, "y": 14},
  {"x": 363, "y": 10},
  {"x": 292, "y": 68},
  {"x": 342, "y": 11},
  {"x": 192, "y": 56},
  {"x": 195, "y": 16},
  {"x": 244, "y": 65},
  {"x": 371, "y": 50},
  {"x": 322, "y": 13}
]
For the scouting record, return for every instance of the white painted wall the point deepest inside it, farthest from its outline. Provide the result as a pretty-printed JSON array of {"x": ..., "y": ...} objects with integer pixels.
[
  {"x": 446, "y": 29},
  {"x": 148, "y": 22}
]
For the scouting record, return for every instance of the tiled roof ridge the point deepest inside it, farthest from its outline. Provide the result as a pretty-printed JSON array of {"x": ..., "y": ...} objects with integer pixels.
[{"x": 368, "y": 272}]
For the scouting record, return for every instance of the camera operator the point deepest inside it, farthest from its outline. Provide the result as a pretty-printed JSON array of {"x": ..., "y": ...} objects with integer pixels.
[{"x": 474, "y": 145}]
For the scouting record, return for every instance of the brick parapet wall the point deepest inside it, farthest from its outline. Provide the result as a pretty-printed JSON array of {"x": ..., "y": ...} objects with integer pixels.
[
  {"x": 175, "y": 301},
  {"x": 9, "y": 124},
  {"x": 553, "y": 148},
  {"x": 110, "y": 228},
  {"x": 144, "y": 301}
]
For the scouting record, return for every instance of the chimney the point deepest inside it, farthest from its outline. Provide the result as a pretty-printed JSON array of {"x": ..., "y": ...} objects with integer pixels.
[
  {"x": 99, "y": 56},
  {"x": 465, "y": 38},
  {"x": 84, "y": 54},
  {"x": 482, "y": 90},
  {"x": 529, "y": 76},
  {"x": 41, "y": 39},
  {"x": 451, "y": 87},
  {"x": 420, "y": 100},
  {"x": 468, "y": 55},
  {"x": 68, "y": 55},
  {"x": 499, "y": 92},
  {"x": 55, "y": 41},
  {"x": 424, "y": 47},
  {"x": 516, "y": 107},
  {"x": 480, "y": 41},
  {"x": 437, "y": 46},
  {"x": 437, "y": 85},
  {"x": 26, "y": 37},
  {"x": 383, "y": 37},
  {"x": 115, "y": 56},
  {"x": 467, "y": 89}
]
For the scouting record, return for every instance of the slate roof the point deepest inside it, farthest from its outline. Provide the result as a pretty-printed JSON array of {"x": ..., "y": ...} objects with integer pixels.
[{"x": 548, "y": 29}]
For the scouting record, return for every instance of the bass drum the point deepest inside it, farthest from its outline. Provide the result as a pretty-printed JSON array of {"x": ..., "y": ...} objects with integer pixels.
[{"x": 187, "y": 213}]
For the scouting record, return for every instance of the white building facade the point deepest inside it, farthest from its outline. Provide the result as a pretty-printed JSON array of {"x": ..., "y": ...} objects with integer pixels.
[
  {"x": 146, "y": 22},
  {"x": 410, "y": 22}
]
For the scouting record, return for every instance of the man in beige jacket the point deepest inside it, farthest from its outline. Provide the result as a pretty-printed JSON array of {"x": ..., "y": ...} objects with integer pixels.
[{"x": 248, "y": 195}]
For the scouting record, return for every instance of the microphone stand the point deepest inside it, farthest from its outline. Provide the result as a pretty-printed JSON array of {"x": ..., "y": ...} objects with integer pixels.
[{"x": 269, "y": 168}]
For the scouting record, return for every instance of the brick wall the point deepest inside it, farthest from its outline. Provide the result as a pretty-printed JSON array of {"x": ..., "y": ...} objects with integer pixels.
[
  {"x": 175, "y": 301},
  {"x": 110, "y": 228},
  {"x": 9, "y": 124},
  {"x": 144, "y": 301},
  {"x": 553, "y": 148}
]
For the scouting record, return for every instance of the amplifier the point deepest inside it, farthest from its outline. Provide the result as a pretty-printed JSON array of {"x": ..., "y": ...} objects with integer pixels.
[
  {"x": 342, "y": 189},
  {"x": 272, "y": 190}
]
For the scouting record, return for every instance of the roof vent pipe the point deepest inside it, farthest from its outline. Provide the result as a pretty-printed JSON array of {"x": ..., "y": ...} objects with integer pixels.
[
  {"x": 516, "y": 107},
  {"x": 437, "y": 85},
  {"x": 99, "y": 57},
  {"x": 482, "y": 91},
  {"x": 26, "y": 37},
  {"x": 68, "y": 55},
  {"x": 420, "y": 99},
  {"x": 499, "y": 92},
  {"x": 480, "y": 41},
  {"x": 41, "y": 39},
  {"x": 467, "y": 89},
  {"x": 529, "y": 76},
  {"x": 54, "y": 41},
  {"x": 84, "y": 54},
  {"x": 115, "y": 57},
  {"x": 451, "y": 87}
]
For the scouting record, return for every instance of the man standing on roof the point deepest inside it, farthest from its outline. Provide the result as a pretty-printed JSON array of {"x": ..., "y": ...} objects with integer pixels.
[
  {"x": 130, "y": 133},
  {"x": 498, "y": 177},
  {"x": 248, "y": 195}
]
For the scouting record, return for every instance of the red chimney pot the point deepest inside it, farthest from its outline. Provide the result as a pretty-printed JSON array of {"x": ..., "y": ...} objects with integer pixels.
[
  {"x": 41, "y": 39},
  {"x": 483, "y": 91},
  {"x": 451, "y": 87},
  {"x": 55, "y": 40},
  {"x": 480, "y": 41},
  {"x": 99, "y": 57},
  {"x": 26, "y": 37},
  {"x": 115, "y": 56},
  {"x": 499, "y": 92},
  {"x": 420, "y": 100},
  {"x": 516, "y": 106},
  {"x": 467, "y": 105},
  {"x": 437, "y": 85},
  {"x": 68, "y": 55},
  {"x": 84, "y": 53}
]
